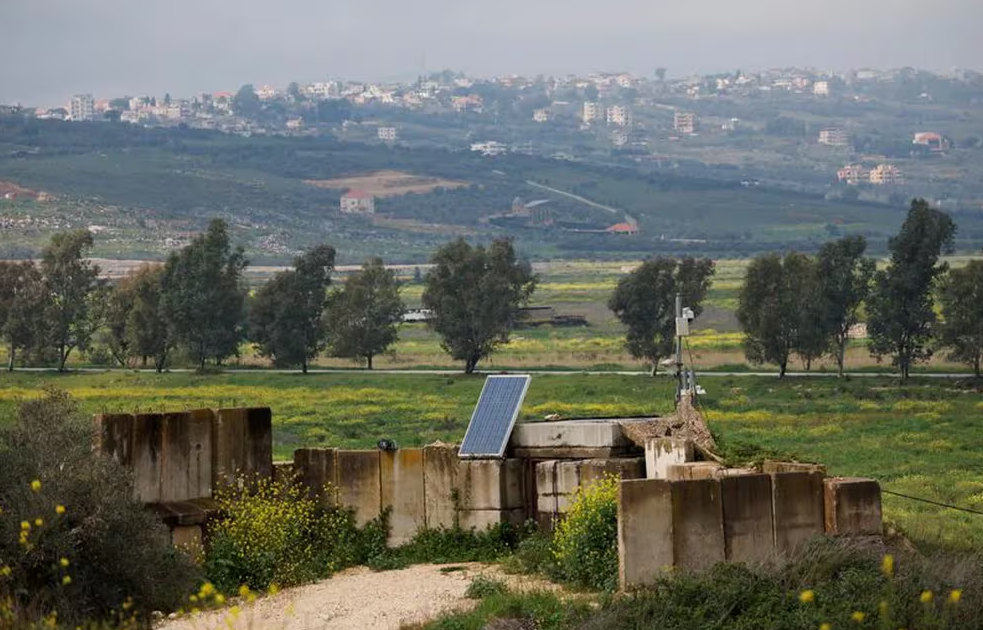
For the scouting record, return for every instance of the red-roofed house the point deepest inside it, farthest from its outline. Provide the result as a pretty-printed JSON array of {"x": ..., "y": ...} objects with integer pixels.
[
  {"x": 622, "y": 228},
  {"x": 358, "y": 202}
]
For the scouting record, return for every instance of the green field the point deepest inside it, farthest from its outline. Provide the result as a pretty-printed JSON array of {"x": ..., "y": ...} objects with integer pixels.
[{"x": 922, "y": 439}]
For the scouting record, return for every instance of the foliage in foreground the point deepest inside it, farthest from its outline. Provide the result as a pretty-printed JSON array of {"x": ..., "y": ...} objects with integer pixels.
[
  {"x": 832, "y": 583},
  {"x": 64, "y": 515},
  {"x": 274, "y": 533},
  {"x": 585, "y": 543}
]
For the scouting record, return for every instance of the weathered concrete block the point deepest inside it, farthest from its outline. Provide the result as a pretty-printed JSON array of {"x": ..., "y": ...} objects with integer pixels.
[
  {"x": 186, "y": 448},
  {"x": 114, "y": 437},
  {"x": 483, "y": 519},
  {"x": 661, "y": 453},
  {"x": 853, "y": 506},
  {"x": 697, "y": 523},
  {"x": 645, "y": 530},
  {"x": 592, "y": 470},
  {"x": 734, "y": 472},
  {"x": 569, "y": 434},
  {"x": 242, "y": 445},
  {"x": 147, "y": 456},
  {"x": 798, "y": 508},
  {"x": 567, "y": 476},
  {"x": 693, "y": 471},
  {"x": 546, "y": 477},
  {"x": 187, "y": 537},
  {"x": 771, "y": 467},
  {"x": 442, "y": 485},
  {"x": 570, "y": 452},
  {"x": 492, "y": 484},
  {"x": 401, "y": 482},
  {"x": 749, "y": 534},
  {"x": 317, "y": 471},
  {"x": 359, "y": 483}
]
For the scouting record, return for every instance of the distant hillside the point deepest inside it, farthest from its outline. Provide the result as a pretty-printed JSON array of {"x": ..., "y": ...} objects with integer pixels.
[{"x": 145, "y": 190}]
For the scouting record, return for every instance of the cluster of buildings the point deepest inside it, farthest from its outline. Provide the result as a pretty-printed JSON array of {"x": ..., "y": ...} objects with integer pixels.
[
  {"x": 617, "y": 115},
  {"x": 880, "y": 175}
]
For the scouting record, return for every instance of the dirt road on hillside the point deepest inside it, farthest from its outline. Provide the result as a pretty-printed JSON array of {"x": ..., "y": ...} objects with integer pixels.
[{"x": 356, "y": 599}]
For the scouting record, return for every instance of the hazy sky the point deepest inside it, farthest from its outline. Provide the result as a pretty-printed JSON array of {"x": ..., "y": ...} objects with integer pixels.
[{"x": 50, "y": 49}]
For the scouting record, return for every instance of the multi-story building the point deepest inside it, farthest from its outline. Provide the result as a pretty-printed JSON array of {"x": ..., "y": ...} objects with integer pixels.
[
  {"x": 358, "y": 202},
  {"x": 853, "y": 174},
  {"x": 820, "y": 88},
  {"x": 834, "y": 137},
  {"x": 387, "y": 134},
  {"x": 618, "y": 115},
  {"x": 886, "y": 174},
  {"x": 684, "y": 122},
  {"x": 83, "y": 107},
  {"x": 593, "y": 111},
  {"x": 542, "y": 114}
]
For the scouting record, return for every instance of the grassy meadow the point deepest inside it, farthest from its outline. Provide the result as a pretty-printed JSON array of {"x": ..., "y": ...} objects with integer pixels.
[{"x": 922, "y": 439}]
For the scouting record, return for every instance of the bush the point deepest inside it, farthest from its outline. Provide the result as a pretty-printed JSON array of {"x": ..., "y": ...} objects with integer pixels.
[
  {"x": 274, "y": 533},
  {"x": 73, "y": 540},
  {"x": 482, "y": 587},
  {"x": 585, "y": 543},
  {"x": 453, "y": 544}
]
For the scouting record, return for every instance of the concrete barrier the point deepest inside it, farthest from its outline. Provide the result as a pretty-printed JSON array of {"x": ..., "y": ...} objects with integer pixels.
[
  {"x": 661, "y": 453},
  {"x": 749, "y": 532},
  {"x": 798, "y": 508},
  {"x": 359, "y": 483},
  {"x": 147, "y": 456},
  {"x": 771, "y": 467},
  {"x": 853, "y": 506},
  {"x": 186, "y": 463},
  {"x": 645, "y": 530},
  {"x": 697, "y": 524},
  {"x": 692, "y": 471},
  {"x": 401, "y": 483},
  {"x": 114, "y": 437},
  {"x": 242, "y": 445},
  {"x": 317, "y": 470},
  {"x": 442, "y": 485}
]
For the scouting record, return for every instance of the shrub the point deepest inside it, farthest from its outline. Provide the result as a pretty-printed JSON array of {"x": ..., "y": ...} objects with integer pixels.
[
  {"x": 482, "y": 587},
  {"x": 453, "y": 544},
  {"x": 274, "y": 533},
  {"x": 73, "y": 540},
  {"x": 585, "y": 543}
]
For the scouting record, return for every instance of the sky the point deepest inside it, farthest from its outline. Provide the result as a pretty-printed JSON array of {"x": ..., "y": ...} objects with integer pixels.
[{"x": 51, "y": 49}]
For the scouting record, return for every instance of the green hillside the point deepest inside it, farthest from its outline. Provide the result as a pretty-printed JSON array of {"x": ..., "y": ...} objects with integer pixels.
[{"x": 146, "y": 189}]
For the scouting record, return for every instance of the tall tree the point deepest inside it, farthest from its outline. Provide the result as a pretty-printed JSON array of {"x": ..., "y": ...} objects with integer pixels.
[
  {"x": 961, "y": 299},
  {"x": 844, "y": 274},
  {"x": 119, "y": 304},
  {"x": 363, "y": 317},
  {"x": 900, "y": 309},
  {"x": 72, "y": 283},
  {"x": 474, "y": 293},
  {"x": 645, "y": 301},
  {"x": 22, "y": 297},
  {"x": 772, "y": 305},
  {"x": 285, "y": 315},
  {"x": 147, "y": 331},
  {"x": 203, "y": 295}
]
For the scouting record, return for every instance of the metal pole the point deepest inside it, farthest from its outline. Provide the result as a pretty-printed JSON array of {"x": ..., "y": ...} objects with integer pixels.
[{"x": 679, "y": 349}]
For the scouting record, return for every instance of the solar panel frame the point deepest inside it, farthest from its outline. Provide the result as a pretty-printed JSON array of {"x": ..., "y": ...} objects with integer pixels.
[{"x": 475, "y": 429}]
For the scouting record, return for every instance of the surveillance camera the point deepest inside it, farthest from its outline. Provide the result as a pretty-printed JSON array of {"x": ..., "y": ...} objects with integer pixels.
[{"x": 688, "y": 314}]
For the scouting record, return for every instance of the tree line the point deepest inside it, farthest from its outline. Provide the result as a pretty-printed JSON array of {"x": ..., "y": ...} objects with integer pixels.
[
  {"x": 794, "y": 304},
  {"x": 197, "y": 303}
]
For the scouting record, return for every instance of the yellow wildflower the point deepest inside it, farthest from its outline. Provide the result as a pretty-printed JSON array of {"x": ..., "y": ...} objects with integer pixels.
[
  {"x": 5, "y": 571},
  {"x": 220, "y": 599},
  {"x": 59, "y": 509},
  {"x": 206, "y": 589},
  {"x": 24, "y": 525},
  {"x": 38, "y": 522},
  {"x": 925, "y": 597},
  {"x": 858, "y": 616},
  {"x": 274, "y": 589},
  {"x": 36, "y": 485},
  {"x": 882, "y": 608},
  {"x": 193, "y": 599},
  {"x": 807, "y": 596},
  {"x": 955, "y": 595},
  {"x": 63, "y": 562},
  {"x": 887, "y": 565},
  {"x": 825, "y": 626},
  {"x": 66, "y": 580},
  {"x": 243, "y": 590}
]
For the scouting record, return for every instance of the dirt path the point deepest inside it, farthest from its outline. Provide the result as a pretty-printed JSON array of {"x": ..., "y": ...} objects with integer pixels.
[{"x": 356, "y": 599}]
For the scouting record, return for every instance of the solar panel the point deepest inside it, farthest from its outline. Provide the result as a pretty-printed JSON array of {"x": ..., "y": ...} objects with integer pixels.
[{"x": 494, "y": 416}]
